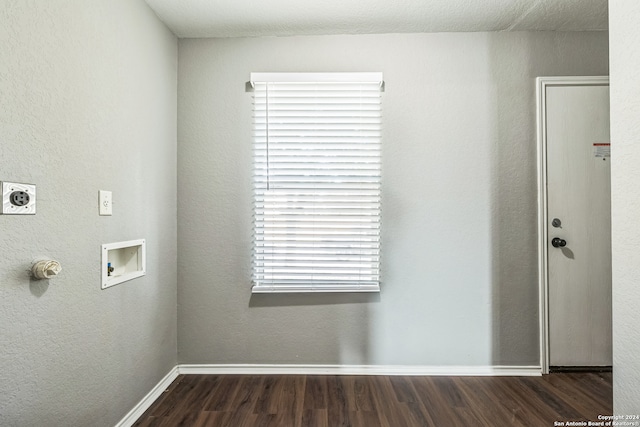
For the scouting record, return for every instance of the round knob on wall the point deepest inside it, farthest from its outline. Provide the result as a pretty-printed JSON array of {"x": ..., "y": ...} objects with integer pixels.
[
  {"x": 557, "y": 242},
  {"x": 46, "y": 269}
]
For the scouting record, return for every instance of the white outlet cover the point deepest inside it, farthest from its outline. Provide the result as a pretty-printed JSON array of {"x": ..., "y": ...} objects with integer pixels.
[
  {"x": 106, "y": 200},
  {"x": 9, "y": 208}
]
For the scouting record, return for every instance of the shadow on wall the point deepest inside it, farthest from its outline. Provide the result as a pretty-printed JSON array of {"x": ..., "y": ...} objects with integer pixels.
[
  {"x": 514, "y": 201},
  {"x": 326, "y": 315},
  {"x": 38, "y": 287},
  {"x": 311, "y": 299}
]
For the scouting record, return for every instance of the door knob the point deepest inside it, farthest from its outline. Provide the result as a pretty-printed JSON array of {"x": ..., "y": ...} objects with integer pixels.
[{"x": 557, "y": 242}]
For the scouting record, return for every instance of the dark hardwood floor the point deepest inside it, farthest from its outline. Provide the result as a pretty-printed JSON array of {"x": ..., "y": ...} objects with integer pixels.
[{"x": 393, "y": 401}]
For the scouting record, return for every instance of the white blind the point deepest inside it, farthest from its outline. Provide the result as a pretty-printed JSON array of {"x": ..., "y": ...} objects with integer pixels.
[{"x": 316, "y": 182}]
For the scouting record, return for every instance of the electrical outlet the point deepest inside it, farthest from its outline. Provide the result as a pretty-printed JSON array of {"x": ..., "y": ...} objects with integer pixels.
[
  {"x": 18, "y": 199},
  {"x": 105, "y": 199}
]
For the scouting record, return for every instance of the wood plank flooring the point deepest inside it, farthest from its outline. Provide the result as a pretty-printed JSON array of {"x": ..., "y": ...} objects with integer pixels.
[{"x": 371, "y": 401}]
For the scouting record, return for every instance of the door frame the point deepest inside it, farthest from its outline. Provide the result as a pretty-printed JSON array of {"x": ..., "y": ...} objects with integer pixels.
[{"x": 543, "y": 271}]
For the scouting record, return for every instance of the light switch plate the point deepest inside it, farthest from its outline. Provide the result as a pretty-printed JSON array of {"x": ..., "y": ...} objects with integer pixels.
[
  {"x": 105, "y": 199},
  {"x": 18, "y": 198}
]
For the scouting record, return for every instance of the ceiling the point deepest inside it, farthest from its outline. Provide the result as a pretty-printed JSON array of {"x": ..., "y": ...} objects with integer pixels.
[{"x": 242, "y": 18}]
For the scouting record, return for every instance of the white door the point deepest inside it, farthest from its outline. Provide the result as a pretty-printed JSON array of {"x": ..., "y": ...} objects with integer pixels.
[{"x": 579, "y": 219}]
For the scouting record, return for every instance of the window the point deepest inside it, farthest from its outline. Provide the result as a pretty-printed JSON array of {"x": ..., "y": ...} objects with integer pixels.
[{"x": 316, "y": 182}]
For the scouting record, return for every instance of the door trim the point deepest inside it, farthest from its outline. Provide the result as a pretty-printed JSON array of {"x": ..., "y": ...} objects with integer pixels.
[{"x": 543, "y": 272}]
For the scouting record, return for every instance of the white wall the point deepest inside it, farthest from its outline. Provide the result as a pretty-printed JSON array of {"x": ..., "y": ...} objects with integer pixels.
[
  {"x": 624, "y": 16},
  {"x": 87, "y": 103},
  {"x": 459, "y": 201}
]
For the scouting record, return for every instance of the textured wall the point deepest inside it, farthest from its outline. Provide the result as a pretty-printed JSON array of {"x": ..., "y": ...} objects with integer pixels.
[
  {"x": 459, "y": 201},
  {"x": 625, "y": 203},
  {"x": 88, "y": 102}
]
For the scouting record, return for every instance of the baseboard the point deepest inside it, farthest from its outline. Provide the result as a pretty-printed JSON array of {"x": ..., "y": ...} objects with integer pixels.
[
  {"x": 148, "y": 400},
  {"x": 361, "y": 370}
]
